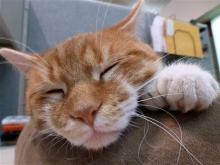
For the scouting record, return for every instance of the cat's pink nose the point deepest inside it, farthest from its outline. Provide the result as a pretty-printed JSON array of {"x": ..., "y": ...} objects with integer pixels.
[{"x": 88, "y": 115}]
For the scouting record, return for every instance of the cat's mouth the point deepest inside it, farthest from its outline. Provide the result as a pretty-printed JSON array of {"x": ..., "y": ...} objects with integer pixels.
[{"x": 99, "y": 140}]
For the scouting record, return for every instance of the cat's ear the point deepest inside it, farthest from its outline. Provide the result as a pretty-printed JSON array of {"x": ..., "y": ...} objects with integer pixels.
[
  {"x": 21, "y": 61},
  {"x": 129, "y": 23}
]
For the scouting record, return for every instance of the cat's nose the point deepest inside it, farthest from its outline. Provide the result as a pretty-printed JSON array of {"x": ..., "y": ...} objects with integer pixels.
[{"x": 88, "y": 115}]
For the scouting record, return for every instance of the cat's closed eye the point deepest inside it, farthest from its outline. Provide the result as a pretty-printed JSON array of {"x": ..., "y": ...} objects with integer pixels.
[
  {"x": 107, "y": 70},
  {"x": 55, "y": 91},
  {"x": 55, "y": 94}
]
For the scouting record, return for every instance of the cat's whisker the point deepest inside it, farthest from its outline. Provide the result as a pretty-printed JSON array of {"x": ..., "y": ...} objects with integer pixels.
[
  {"x": 180, "y": 60},
  {"x": 40, "y": 67},
  {"x": 168, "y": 94},
  {"x": 166, "y": 127},
  {"x": 142, "y": 140},
  {"x": 57, "y": 139},
  {"x": 115, "y": 74},
  {"x": 133, "y": 122},
  {"x": 160, "y": 59},
  {"x": 155, "y": 76},
  {"x": 163, "y": 56},
  {"x": 117, "y": 60},
  {"x": 42, "y": 137},
  {"x": 39, "y": 134},
  {"x": 6, "y": 62},
  {"x": 178, "y": 124},
  {"x": 26, "y": 47},
  {"x": 68, "y": 150},
  {"x": 19, "y": 43},
  {"x": 45, "y": 131},
  {"x": 47, "y": 135},
  {"x": 65, "y": 143},
  {"x": 42, "y": 60},
  {"x": 124, "y": 78},
  {"x": 147, "y": 82},
  {"x": 170, "y": 134},
  {"x": 133, "y": 125},
  {"x": 24, "y": 64},
  {"x": 96, "y": 25},
  {"x": 119, "y": 77},
  {"x": 102, "y": 26},
  {"x": 129, "y": 74},
  {"x": 158, "y": 124},
  {"x": 66, "y": 147},
  {"x": 158, "y": 96},
  {"x": 51, "y": 142}
]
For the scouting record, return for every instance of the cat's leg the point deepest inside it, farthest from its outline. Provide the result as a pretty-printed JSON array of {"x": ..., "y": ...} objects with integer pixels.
[{"x": 181, "y": 86}]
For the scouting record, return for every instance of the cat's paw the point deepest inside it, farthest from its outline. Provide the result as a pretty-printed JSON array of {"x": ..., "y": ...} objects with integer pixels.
[{"x": 187, "y": 87}]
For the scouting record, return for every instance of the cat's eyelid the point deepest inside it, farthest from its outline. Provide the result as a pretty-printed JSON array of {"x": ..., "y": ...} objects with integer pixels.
[
  {"x": 106, "y": 70},
  {"x": 61, "y": 88},
  {"x": 53, "y": 91},
  {"x": 55, "y": 95}
]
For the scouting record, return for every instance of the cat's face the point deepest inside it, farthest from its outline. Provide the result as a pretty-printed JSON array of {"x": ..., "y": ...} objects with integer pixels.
[
  {"x": 87, "y": 92},
  {"x": 85, "y": 89}
]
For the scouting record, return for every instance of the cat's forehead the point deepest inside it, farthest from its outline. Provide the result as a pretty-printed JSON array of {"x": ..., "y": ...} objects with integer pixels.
[
  {"x": 93, "y": 48},
  {"x": 79, "y": 57},
  {"x": 75, "y": 58}
]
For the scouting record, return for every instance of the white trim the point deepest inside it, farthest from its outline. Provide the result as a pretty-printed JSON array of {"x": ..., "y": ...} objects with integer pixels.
[{"x": 21, "y": 89}]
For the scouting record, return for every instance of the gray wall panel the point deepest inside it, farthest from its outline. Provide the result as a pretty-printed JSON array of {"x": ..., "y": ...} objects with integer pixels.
[
  {"x": 9, "y": 89},
  {"x": 53, "y": 21}
]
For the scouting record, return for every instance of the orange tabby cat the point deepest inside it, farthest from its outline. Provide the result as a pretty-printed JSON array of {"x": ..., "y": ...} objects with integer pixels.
[{"x": 87, "y": 88}]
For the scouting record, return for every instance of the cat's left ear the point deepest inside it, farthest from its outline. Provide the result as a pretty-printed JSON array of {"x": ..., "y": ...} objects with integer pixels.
[
  {"x": 21, "y": 61},
  {"x": 130, "y": 22}
]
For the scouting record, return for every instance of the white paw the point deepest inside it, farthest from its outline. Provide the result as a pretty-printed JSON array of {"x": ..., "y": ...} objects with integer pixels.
[{"x": 187, "y": 87}]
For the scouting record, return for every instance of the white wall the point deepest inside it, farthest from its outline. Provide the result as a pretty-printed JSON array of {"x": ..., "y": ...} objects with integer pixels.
[
  {"x": 186, "y": 10},
  {"x": 216, "y": 35}
]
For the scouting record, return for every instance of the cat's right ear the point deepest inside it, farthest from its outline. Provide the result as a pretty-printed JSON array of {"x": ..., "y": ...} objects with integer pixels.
[
  {"x": 130, "y": 22},
  {"x": 21, "y": 61}
]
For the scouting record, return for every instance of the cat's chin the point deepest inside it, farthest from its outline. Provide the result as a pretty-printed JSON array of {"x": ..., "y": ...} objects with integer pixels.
[{"x": 99, "y": 140}]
